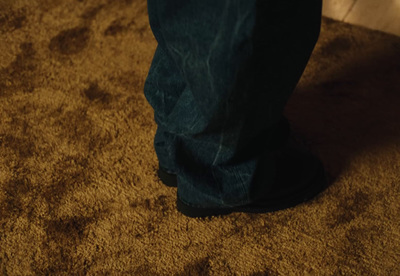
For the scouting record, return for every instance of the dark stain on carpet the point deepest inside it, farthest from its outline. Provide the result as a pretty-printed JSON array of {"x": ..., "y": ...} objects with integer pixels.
[
  {"x": 20, "y": 74},
  {"x": 114, "y": 28},
  {"x": 71, "y": 41},
  {"x": 16, "y": 190},
  {"x": 349, "y": 208},
  {"x": 199, "y": 267},
  {"x": 24, "y": 147},
  {"x": 12, "y": 21},
  {"x": 91, "y": 13},
  {"x": 72, "y": 174},
  {"x": 337, "y": 45},
  {"x": 94, "y": 93}
]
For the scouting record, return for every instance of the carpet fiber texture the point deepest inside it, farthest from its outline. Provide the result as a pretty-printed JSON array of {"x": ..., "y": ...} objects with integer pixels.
[{"x": 79, "y": 193}]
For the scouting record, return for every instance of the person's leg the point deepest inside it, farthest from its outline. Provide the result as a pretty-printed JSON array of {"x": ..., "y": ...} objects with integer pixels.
[{"x": 220, "y": 78}]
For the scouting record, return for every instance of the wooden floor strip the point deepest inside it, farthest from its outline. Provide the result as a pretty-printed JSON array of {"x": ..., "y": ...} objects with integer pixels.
[{"x": 383, "y": 15}]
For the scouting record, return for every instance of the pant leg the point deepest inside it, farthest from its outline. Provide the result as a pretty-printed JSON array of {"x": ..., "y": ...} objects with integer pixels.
[{"x": 220, "y": 78}]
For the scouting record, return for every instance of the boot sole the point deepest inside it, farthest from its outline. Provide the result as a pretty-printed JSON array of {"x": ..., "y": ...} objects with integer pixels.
[
  {"x": 168, "y": 179},
  {"x": 317, "y": 185}
]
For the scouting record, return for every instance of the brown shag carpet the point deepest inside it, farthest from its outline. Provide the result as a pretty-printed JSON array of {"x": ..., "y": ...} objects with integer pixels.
[{"x": 78, "y": 188}]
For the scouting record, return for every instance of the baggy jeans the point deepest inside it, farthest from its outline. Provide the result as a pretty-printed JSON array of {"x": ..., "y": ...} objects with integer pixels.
[{"x": 220, "y": 78}]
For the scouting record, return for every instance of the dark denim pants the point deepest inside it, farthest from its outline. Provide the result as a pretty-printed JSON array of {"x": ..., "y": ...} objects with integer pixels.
[{"x": 220, "y": 78}]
